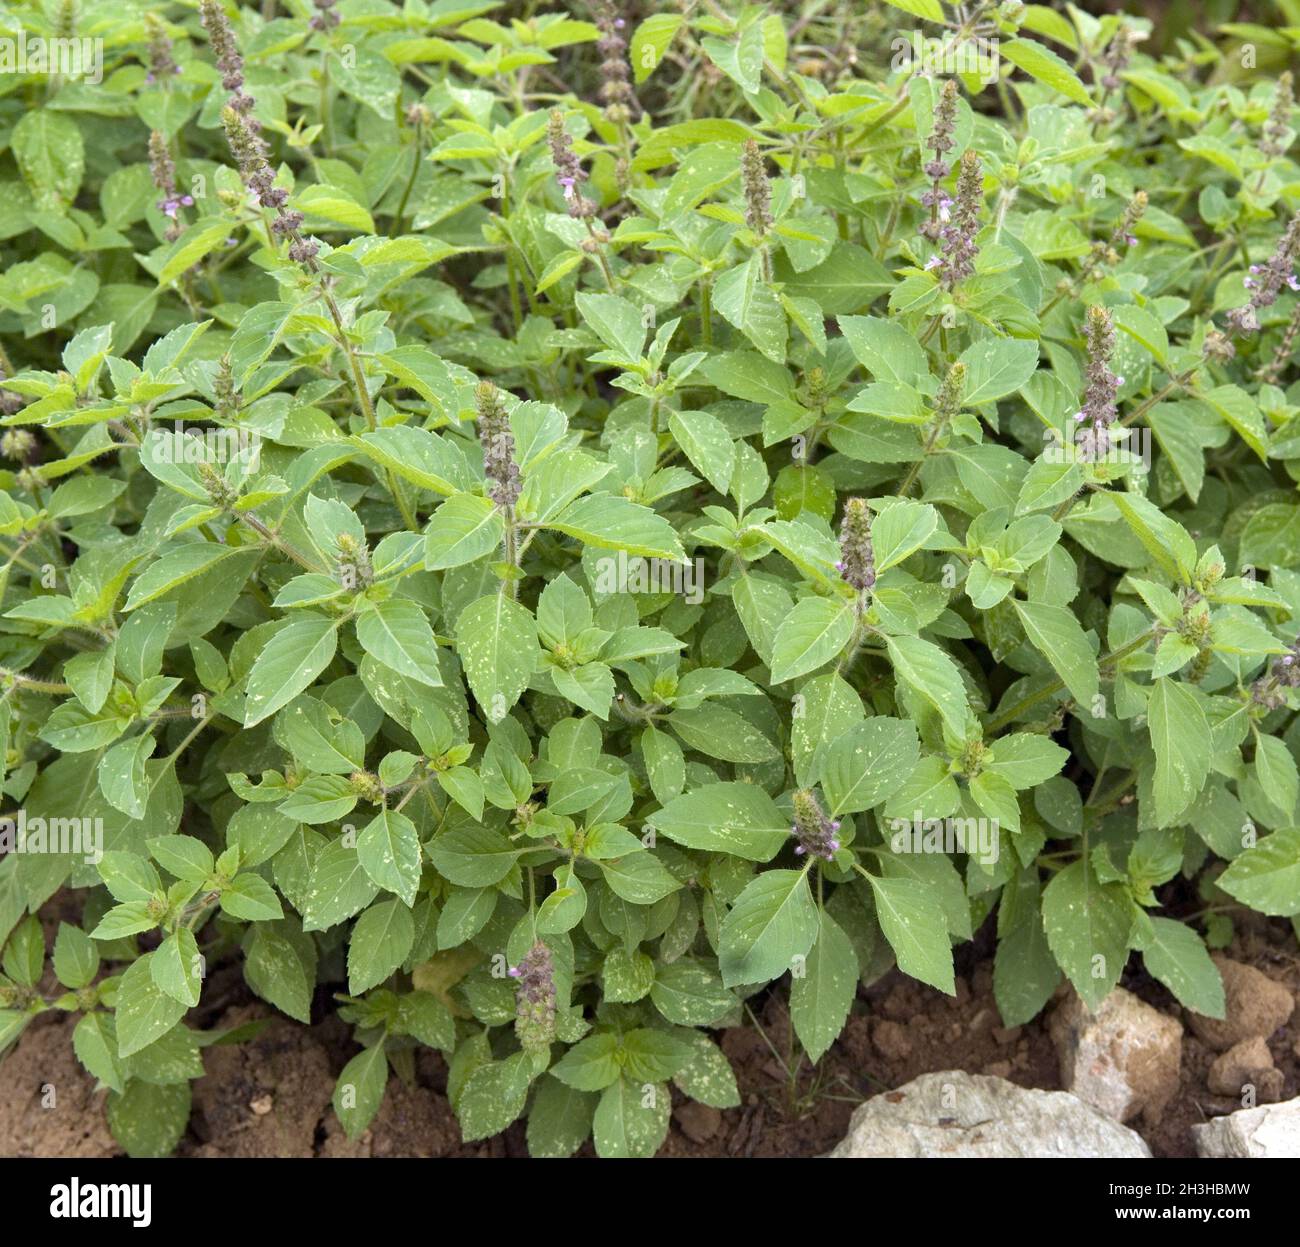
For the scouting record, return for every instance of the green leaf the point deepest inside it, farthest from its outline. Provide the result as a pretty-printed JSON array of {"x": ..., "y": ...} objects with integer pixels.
[
  {"x": 381, "y": 939},
  {"x": 926, "y": 669},
  {"x": 1176, "y": 955},
  {"x": 122, "y": 777},
  {"x": 746, "y": 300},
  {"x": 1055, "y": 632},
  {"x": 930, "y": 10},
  {"x": 51, "y": 157},
  {"x": 646, "y": 52},
  {"x": 473, "y": 857},
  {"x": 772, "y": 922},
  {"x": 709, "y": 1077},
  {"x": 1275, "y": 767},
  {"x": 388, "y": 848},
  {"x": 1180, "y": 736},
  {"x": 900, "y": 530},
  {"x": 275, "y": 968},
  {"x": 559, "y": 1121},
  {"x": 1025, "y": 974},
  {"x": 740, "y": 819},
  {"x": 611, "y": 522},
  {"x": 360, "y": 1089},
  {"x": 638, "y": 878},
  {"x": 867, "y": 764},
  {"x": 494, "y": 1096},
  {"x": 885, "y": 349},
  {"x": 617, "y": 322},
  {"x": 631, "y": 1120},
  {"x": 1267, "y": 877},
  {"x": 914, "y": 925},
  {"x": 144, "y": 1011},
  {"x": 397, "y": 633},
  {"x": 250, "y": 897},
  {"x": 811, "y": 635},
  {"x": 996, "y": 367},
  {"x": 590, "y": 1065},
  {"x": 148, "y": 1120},
  {"x": 174, "y": 569},
  {"x": 707, "y": 444},
  {"x": 1087, "y": 925},
  {"x": 176, "y": 967},
  {"x": 1167, "y": 542},
  {"x": 464, "y": 528},
  {"x": 1043, "y": 64},
  {"x": 337, "y": 887},
  {"x": 821, "y": 996},
  {"x": 687, "y": 993},
  {"x": 76, "y": 959},
  {"x": 497, "y": 642},
  {"x": 721, "y": 733},
  {"x": 95, "y": 1042},
  {"x": 291, "y": 660}
]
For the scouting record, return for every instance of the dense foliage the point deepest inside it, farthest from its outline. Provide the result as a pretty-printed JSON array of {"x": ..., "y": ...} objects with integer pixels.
[{"x": 532, "y": 527}]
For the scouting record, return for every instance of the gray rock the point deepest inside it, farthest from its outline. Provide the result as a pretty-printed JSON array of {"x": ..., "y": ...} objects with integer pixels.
[
  {"x": 1123, "y": 1059},
  {"x": 955, "y": 1114},
  {"x": 1269, "y": 1132}
]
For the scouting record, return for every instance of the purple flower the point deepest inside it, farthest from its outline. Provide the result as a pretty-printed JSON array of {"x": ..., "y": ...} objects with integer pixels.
[
  {"x": 857, "y": 564},
  {"x": 812, "y": 828},
  {"x": 326, "y": 18},
  {"x": 161, "y": 62},
  {"x": 498, "y": 442},
  {"x": 615, "y": 73},
  {"x": 957, "y": 244},
  {"x": 568, "y": 171},
  {"x": 535, "y": 999},
  {"x": 1268, "y": 281},
  {"x": 1267, "y": 691},
  {"x": 758, "y": 194},
  {"x": 1099, "y": 406},
  {"x": 936, "y": 168},
  {"x": 1277, "y": 130}
]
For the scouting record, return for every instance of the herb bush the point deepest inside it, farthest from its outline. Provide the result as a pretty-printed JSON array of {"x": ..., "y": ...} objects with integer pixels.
[{"x": 532, "y": 525}]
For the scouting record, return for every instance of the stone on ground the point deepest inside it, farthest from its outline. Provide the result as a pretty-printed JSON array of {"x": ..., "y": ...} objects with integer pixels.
[
  {"x": 1246, "y": 1066},
  {"x": 1269, "y": 1132},
  {"x": 955, "y": 1114},
  {"x": 1256, "y": 1005},
  {"x": 1123, "y": 1060}
]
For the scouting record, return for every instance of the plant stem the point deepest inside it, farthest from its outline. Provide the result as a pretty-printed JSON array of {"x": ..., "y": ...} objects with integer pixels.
[{"x": 1008, "y": 716}]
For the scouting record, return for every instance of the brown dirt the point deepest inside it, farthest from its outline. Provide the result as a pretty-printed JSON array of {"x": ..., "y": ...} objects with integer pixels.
[
  {"x": 269, "y": 1096},
  {"x": 33, "y": 1122}
]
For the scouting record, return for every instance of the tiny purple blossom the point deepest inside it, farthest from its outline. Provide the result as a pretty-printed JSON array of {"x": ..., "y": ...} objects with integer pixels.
[
  {"x": 1268, "y": 280},
  {"x": 813, "y": 828}
]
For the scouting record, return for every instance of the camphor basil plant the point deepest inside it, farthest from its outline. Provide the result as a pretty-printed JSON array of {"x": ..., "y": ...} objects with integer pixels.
[{"x": 533, "y": 526}]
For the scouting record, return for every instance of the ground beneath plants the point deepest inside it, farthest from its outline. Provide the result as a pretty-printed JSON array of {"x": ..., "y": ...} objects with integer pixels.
[{"x": 270, "y": 1096}]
